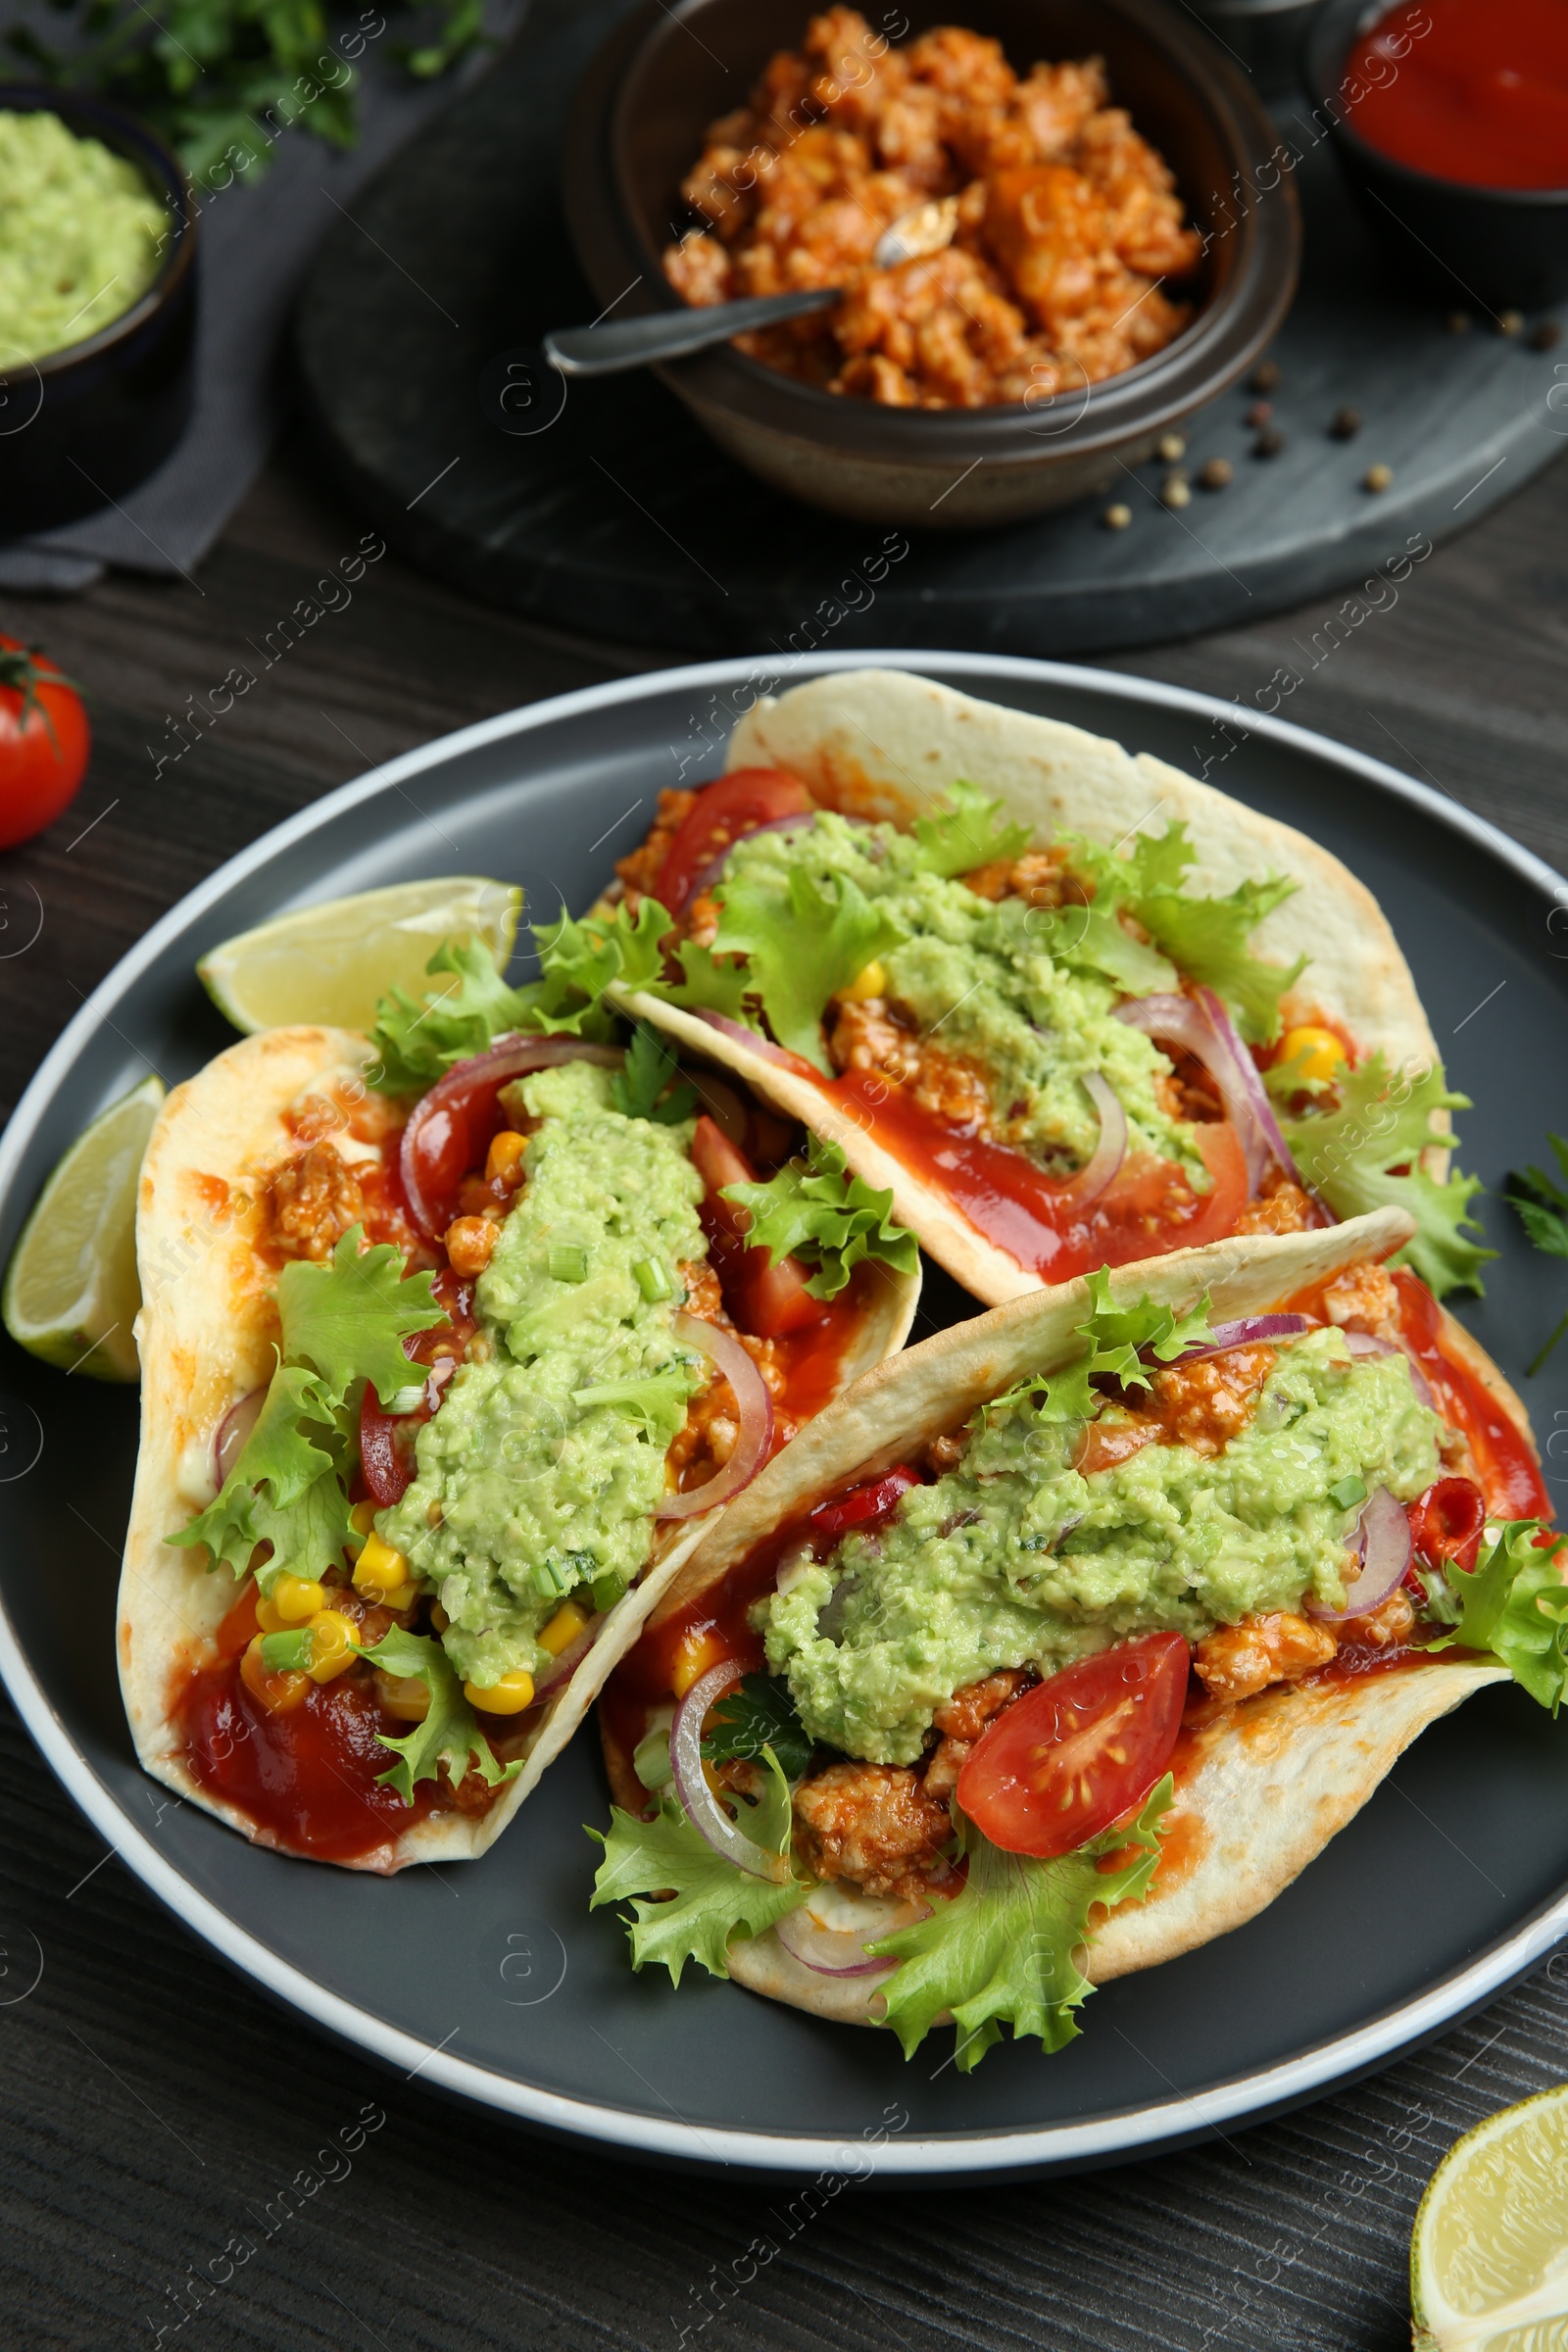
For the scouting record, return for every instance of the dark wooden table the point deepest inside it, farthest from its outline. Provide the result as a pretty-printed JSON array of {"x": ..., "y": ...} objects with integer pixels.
[{"x": 155, "y": 2107}]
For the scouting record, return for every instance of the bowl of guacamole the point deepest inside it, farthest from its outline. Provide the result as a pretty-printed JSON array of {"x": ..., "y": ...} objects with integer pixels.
[{"x": 97, "y": 305}]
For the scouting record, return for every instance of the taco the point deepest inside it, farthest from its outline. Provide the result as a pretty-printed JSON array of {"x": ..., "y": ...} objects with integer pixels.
[
  {"x": 439, "y": 1389},
  {"x": 1064, "y": 1643},
  {"x": 1071, "y": 1006}
]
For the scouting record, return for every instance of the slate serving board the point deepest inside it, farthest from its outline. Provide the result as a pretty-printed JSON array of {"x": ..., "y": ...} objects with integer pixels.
[{"x": 607, "y": 509}]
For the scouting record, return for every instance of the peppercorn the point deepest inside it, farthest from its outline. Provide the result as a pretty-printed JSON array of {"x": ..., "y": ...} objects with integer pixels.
[
  {"x": 1510, "y": 323},
  {"x": 1117, "y": 517},
  {"x": 1268, "y": 444},
  {"x": 1176, "y": 491},
  {"x": 1171, "y": 447},
  {"x": 1378, "y": 477},
  {"x": 1215, "y": 474},
  {"x": 1258, "y": 414},
  {"x": 1265, "y": 376},
  {"x": 1347, "y": 425},
  {"x": 1547, "y": 336}
]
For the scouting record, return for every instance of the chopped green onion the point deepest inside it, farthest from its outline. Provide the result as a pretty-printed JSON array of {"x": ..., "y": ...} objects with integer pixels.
[
  {"x": 1350, "y": 1490},
  {"x": 548, "y": 1580},
  {"x": 608, "y": 1589},
  {"x": 567, "y": 1263},
  {"x": 651, "y": 1762},
  {"x": 653, "y": 1281},
  {"x": 284, "y": 1654}
]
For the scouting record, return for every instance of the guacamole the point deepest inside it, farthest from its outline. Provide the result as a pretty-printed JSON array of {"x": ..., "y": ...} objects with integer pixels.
[
  {"x": 1029, "y": 993},
  {"x": 542, "y": 1469},
  {"x": 1013, "y": 1558},
  {"x": 79, "y": 236}
]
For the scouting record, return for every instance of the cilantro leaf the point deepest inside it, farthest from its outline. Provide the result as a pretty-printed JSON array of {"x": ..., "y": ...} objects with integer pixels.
[
  {"x": 650, "y": 1067},
  {"x": 1542, "y": 1209},
  {"x": 449, "y": 1733},
  {"x": 1514, "y": 1603},
  {"x": 969, "y": 831},
  {"x": 705, "y": 1900},
  {"x": 1005, "y": 1950},
  {"x": 1118, "y": 1339},
  {"x": 417, "y": 1041},
  {"x": 657, "y": 1401},
  {"x": 348, "y": 1319},
  {"x": 1205, "y": 938},
  {"x": 803, "y": 951},
  {"x": 815, "y": 1210},
  {"x": 759, "y": 1713},
  {"x": 1384, "y": 1121}
]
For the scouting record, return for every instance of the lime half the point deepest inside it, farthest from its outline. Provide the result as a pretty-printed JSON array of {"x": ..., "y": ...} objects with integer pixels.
[
  {"x": 1489, "y": 2260},
  {"x": 334, "y": 962},
  {"x": 72, "y": 1292}
]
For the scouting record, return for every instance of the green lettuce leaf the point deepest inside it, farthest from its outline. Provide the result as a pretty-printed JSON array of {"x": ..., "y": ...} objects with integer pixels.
[
  {"x": 703, "y": 1899},
  {"x": 757, "y": 1714},
  {"x": 1005, "y": 1951},
  {"x": 348, "y": 1319},
  {"x": 710, "y": 985},
  {"x": 1116, "y": 1339},
  {"x": 644, "y": 1089},
  {"x": 1384, "y": 1121},
  {"x": 1514, "y": 1603},
  {"x": 970, "y": 830},
  {"x": 450, "y": 1733},
  {"x": 1093, "y": 940},
  {"x": 1205, "y": 938},
  {"x": 416, "y": 1042},
  {"x": 803, "y": 951},
  {"x": 817, "y": 1212},
  {"x": 1542, "y": 1205},
  {"x": 580, "y": 960}
]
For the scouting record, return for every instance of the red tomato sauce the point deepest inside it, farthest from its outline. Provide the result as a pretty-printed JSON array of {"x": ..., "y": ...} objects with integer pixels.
[
  {"x": 1510, "y": 1475},
  {"x": 306, "y": 1778},
  {"x": 1472, "y": 90},
  {"x": 1148, "y": 1210}
]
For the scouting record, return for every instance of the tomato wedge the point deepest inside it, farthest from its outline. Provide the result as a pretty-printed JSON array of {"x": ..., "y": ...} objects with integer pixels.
[
  {"x": 862, "y": 1504},
  {"x": 764, "y": 1300},
  {"x": 1080, "y": 1752},
  {"x": 737, "y": 804},
  {"x": 1447, "y": 1521}
]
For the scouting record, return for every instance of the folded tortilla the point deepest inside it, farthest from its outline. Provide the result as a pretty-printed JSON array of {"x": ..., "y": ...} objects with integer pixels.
[
  {"x": 205, "y": 1336},
  {"x": 1268, "y": 1781},
  {"x": 885, "y": 744}
]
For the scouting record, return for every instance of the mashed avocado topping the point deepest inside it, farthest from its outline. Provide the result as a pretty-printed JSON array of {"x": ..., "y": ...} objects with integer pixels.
[
  {"x": 79, "y": 233},
  {"x": 542, "y": 1469},
  {"x": 1015, "y": 1558}
]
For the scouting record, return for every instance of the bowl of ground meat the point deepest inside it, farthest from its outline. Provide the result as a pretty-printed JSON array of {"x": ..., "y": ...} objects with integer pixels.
[{"x": 1102, "y": 240}]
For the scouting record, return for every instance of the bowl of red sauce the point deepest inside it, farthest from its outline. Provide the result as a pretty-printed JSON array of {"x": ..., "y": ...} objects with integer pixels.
[{"x": 1451, "y": 119}]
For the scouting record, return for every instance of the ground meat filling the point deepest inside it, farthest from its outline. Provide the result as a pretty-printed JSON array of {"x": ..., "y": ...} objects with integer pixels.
[
  {"x": 876, "y": 1825},
  {"x": 310, "y": 1204},
  {"x": 640, "y": 873},
  {"x": 1053, "y": 230},
  {"x": 1241, "y": 1660}
]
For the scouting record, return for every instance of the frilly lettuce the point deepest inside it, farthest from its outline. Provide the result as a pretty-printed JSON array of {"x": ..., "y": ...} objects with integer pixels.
[
  {"x": 1115, "y": 1337},
  {"x": 832, "y": 1220},
  {"x": 1513, "y": 1602},
  {"x": 703, "y": 1899},
  {"x": 449, "y": 1733}
]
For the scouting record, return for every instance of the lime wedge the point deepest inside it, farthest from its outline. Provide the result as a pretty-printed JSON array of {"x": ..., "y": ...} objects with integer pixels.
[
  {"x": 333, "y": 963},
  {"x": 1489, "y": 2260},
  {"x": 72, "y": 1293}
]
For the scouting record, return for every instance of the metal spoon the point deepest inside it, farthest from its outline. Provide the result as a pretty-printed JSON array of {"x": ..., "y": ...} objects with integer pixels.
[{"x": 670, "y": 334}]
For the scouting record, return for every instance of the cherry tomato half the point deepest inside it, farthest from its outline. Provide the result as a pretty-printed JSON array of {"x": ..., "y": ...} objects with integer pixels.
[
  {"x": 44, "y": 742},
  {"x": 1079, "y": 1752},
  {"x": 736, "y": 804},
  {"x": 862, "y": 1504},
  {"x": 1447, "y": 1521},
  {"x": 764, "y": 1300}
]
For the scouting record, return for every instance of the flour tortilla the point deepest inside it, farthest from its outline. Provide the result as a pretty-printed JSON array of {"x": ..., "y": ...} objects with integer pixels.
[
  {"x": 885, "y": 744},
  {"x": 205, "y": 1336},
  {"x": 1271, "y": 1778}
]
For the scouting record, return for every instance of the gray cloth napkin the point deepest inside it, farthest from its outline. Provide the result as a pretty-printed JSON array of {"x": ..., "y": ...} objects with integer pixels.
[{"x": 255, "y": 241}]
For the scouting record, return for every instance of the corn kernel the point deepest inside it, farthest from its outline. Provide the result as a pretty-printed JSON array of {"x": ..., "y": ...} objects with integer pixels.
[
  {"x": 693, "y": 1656},
  {"x": 504, "y": 1159},
  {"x": 334, "y": 1645},
  {"x": 296, "y": 1599},
  {"x": 363, "y": 1517},
  {"x": 468, "y": 1242},
  {"x": 509, "y": 1696},
  {"x": 563, "y": 1627},
  {"x": 403, "y": 1597},
  {"x": 438, "y": 1617},
  {"x": 1319, "y": 1050},
  {"x": 407, "y": 1697},
  {"x": 269, "y": 1616},
  {"x": 279, "y": 1694},
  {"x": 870, "y": 981},
  {"x": 379, "y": 1569}
]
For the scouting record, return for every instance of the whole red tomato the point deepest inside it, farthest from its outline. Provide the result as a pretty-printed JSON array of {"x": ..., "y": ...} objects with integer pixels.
[{"x": 44, "y": 742}]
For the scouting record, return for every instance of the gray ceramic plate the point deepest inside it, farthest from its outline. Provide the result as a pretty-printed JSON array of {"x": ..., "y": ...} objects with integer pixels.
[{"x": 491, "y": 1980}]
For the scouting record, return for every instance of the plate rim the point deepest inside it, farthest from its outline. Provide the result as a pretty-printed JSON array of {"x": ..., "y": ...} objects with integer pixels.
[{"x": 1125, "y": 2133}]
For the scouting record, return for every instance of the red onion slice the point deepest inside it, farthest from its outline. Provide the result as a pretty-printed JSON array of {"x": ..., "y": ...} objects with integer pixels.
[
  {"x": 754, "y": 1039},
  {"x": 752, "y": 1402},
  {"x": 702, "y": 1809},
  {"x": 1202, "y": 1027},
  {"x": 228, "y": 1439},
  {"x": 440, "y": 1129},
  {"x": 813, "y": 1936},
  {"x": 1098, "y": 1171},
  {"x": 1383, "y": 1541},
  {"x": 1246, "y": 1334},
  {"x": 1363, "y": 1342}
]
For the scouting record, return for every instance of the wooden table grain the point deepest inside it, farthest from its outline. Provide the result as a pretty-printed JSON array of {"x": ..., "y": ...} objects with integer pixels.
[{"x": 180, "y": 2161}]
